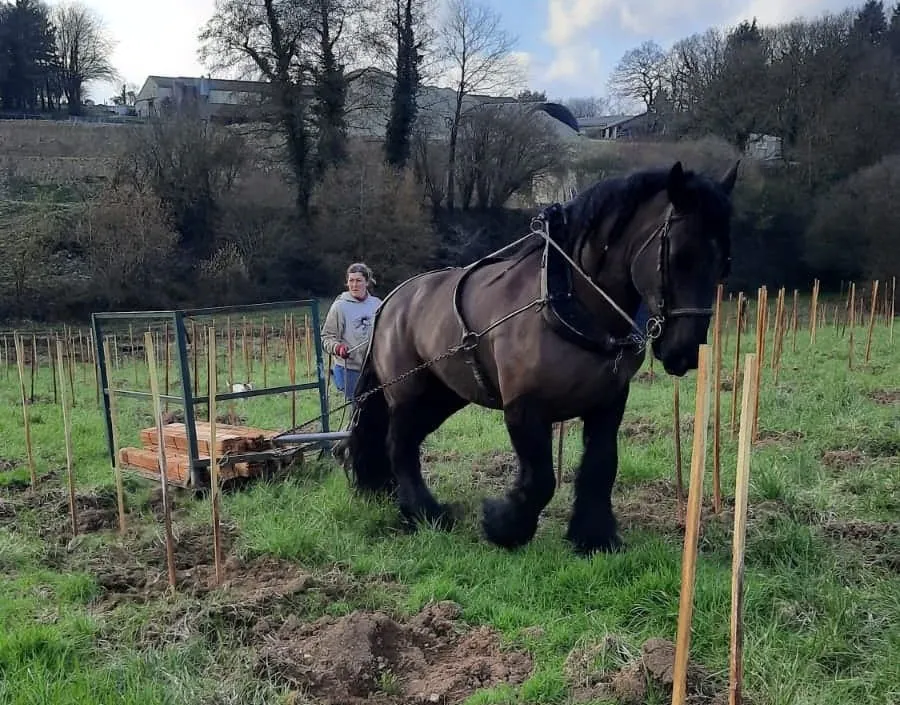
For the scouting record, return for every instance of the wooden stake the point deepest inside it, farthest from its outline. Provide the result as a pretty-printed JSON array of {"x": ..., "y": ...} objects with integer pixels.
[
  {"x": 893, "y": 301},
  {"x": 168, "y": 364},
  {"x": 737, "y": 359},
  {"x": 161, "y": 451},
  {"x": 214, "y": 463},
  {"x": 34, "y": 362},
  {"x": 871, "y": 320},
  {"x": 717, "y": 397},
  {"x": 195, "y": 353},
  {"x": 735, "y": 696},
  {"x": 780, "y": 321},
  {"x": 71, "y": 366},
  {"x": 52, "y": 368},
  {"x": 851, "y": 324},
  {"x": 794, "y": 322},
  {"x": 20, "y": 362},
  {"x": 131, "y": 347},
  {"x": 67, "y": 431},
  {"x": 679, "y": 480},
  {"x": 760, "y": 351},
  {"x": 230, "y": 352},
  {"x": 292, "y": 371},
  {"x": 813, "y": 313},
  {"x": 692, "y": 527},
  {"x": 559, "y": 452},
  {"x": 245, "y": 351},
  {"x": 307, "y": 345},
  {"x": 117, "y": 469},
  {"x": 264, "y": 354}
]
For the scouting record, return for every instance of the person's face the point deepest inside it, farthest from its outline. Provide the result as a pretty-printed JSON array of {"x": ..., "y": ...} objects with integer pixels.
[{"x": 356, "y": 284}]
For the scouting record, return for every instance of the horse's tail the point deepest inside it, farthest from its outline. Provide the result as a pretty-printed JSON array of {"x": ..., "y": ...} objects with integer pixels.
[{"x": 369, "y": 468}]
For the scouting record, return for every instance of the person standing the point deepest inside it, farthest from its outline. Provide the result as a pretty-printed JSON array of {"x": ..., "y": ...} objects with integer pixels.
[{"x": 348, "y": 325}]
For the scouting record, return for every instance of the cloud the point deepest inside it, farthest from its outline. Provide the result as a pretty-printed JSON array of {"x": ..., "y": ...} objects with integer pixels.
[
  {"x": 771, "y": 12},
  {"x": 586, "y": 36}
]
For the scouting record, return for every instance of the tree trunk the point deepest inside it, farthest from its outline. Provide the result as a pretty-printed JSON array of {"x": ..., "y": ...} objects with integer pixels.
[{"x": 451, "y": 162}]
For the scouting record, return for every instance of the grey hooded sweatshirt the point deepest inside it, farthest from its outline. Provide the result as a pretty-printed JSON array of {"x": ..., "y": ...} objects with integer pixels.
[{"x": 349, "y": 321}]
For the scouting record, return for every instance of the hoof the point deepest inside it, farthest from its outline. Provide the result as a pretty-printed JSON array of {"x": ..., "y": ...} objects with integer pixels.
[
  {"x": 442, "y": 517},
  {"x": 506, "y": 525},
  {"x": 589, "y": 545}
]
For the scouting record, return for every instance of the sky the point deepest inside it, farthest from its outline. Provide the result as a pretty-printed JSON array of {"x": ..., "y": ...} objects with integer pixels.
[{"x": 567, "y": 47}]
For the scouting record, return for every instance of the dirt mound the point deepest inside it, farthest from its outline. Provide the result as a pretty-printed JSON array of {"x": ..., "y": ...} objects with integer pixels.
[
  {"x": 639, "y": 679},
  {"x": 369, "y": 657},
  {"x": 653, "y": 506},
  {"x": 7, "y": 465},
  {"x": 23, "y": 484},
  {"x": 95, "y": 510},
  {"x": 843, "y": 458},
  {"x": 638, "y": 429},
  {"x": 645, "y": 376},
  {"x": 878, "y": 542},
  {"x": 773, "y": 437},
  {"x": 885, "y": 396},
  {"x": 137, "y": 570}
]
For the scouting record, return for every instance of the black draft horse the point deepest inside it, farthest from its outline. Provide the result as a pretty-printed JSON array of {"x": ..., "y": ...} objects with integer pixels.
[{"x": 545, "y": 333}]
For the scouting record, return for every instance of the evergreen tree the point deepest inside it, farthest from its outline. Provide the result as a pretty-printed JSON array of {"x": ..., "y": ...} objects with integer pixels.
[{"x": 406, "y": 88}]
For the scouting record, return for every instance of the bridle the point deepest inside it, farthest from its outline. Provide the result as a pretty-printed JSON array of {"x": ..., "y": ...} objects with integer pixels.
[
  {"x": 662, "y": 266},
  {"x": 655, "y": 324}
]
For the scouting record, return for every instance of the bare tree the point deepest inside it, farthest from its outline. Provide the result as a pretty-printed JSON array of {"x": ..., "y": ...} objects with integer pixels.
[
  {"x": 639, "y": 74},
  {"x": 191, "y": 166},
  {"x": 267, "y": 39},
  {"x": 85, "y": 49},
  {"x": 478, "y": 55},
  {"x": 590, "y": 106},
  {"x": 503, "y": 148}
]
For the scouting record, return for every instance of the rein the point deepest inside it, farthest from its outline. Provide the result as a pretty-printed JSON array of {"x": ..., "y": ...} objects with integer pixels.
[{"x": 540, "y": 225}]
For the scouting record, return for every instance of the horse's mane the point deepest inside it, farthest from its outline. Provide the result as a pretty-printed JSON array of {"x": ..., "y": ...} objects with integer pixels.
[{"x": 624, "y": 195}]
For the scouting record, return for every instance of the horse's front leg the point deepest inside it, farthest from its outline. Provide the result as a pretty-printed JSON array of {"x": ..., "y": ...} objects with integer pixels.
[
  {"x": 592, "y": 526},
  {"x": 511, "y": 521}
]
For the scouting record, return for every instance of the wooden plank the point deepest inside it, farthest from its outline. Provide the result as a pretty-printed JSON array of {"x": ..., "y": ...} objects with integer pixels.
[
  {"x": 178, "y": 464},
  {"x": 234, "y": 439}
]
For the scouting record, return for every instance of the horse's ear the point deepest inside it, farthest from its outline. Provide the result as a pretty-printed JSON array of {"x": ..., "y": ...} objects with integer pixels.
[
  {"x": 730, "y": 177},
  {"x": 676, "y": 185}
]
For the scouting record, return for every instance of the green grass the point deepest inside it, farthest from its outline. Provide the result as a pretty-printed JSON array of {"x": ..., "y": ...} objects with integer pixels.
[{"x": 822, "y": 614}]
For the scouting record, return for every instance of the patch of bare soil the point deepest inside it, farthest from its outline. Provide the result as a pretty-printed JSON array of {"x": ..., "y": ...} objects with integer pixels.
[
  {"x": 843, "y": 458},
  {"x": 638, "y": 429},
  {"x": 440, "y": 456},
  {"x": 771, "y": 437},
  {"x": 639, "y": 679},
  {"x": 885, "y": 396},
  {"x": 495, "y": 468},
  {"x": 654, "y": 506},
  {"x": 95, "y": 511},
  {"x": 646, "y": 377},
  {"x": 7, "y": 465},
  {"x": 878, "y": 542},
  {"x": 368, "y": 657},
  {"x": 137, "y": 570},
  {"x": 18, "y": 485}
]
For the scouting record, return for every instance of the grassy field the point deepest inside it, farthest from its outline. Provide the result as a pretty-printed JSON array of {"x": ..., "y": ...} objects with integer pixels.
[{"x": 327, "y": 600}]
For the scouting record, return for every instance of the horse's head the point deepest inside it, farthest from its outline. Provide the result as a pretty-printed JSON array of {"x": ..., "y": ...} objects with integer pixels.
[{"x": 677, "y": 266}]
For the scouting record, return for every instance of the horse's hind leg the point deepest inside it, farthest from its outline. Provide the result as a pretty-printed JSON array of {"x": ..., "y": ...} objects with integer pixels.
[
  {"x": 592, "y": 526},
  {"x": 411, "y": 422},
  {"x": 511, "y": 521}
]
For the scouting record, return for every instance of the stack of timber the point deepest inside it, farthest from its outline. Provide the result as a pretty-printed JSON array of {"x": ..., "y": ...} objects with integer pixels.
[{"x": 230, "y": 441}]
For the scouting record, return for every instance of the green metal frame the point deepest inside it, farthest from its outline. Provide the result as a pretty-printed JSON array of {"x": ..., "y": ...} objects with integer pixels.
[{"x": 177, "y": 318}]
